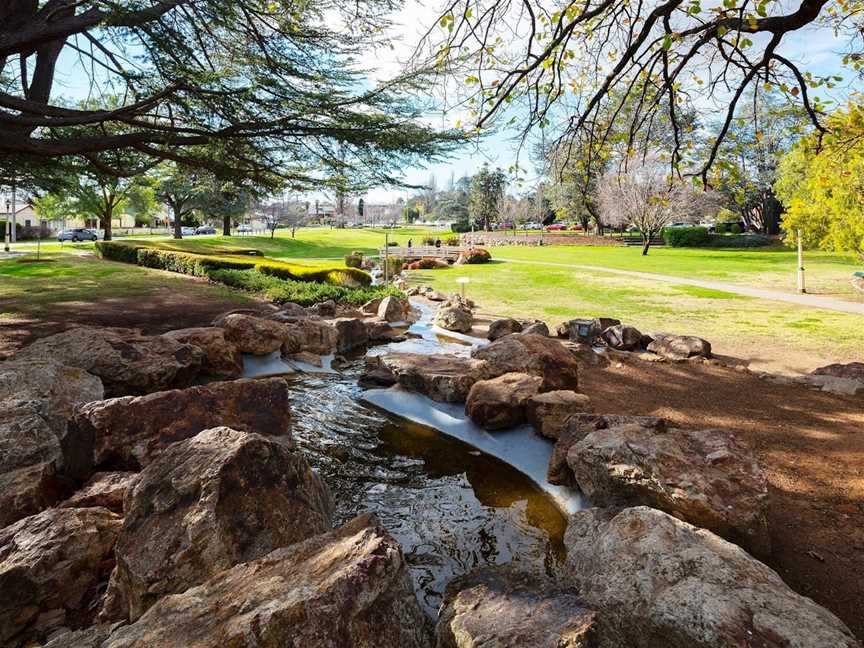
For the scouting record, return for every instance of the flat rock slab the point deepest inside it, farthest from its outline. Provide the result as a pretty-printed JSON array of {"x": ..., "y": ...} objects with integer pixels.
[
  {"x": 705, "y": 477},
  {"x": 441, "y": 377},
  {"x": 51, "y": 565},
  {"x": 532, "y": 354},
  {"x": 126, "y": 361},
  {"x": 549, "y": 412},
  {"x": 679, "y": 347},
  {"x": 349, "y": 588},
  {"x": 206, "y": 504},
  {"x": 658, "y": 582},
  {"x": 502, "y": 607},
  {"x": 130, "y": 432}
]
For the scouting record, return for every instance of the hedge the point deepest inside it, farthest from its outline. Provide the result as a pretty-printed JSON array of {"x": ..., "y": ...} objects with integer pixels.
[
  {"x": 305, "y": 293},
  {"x": 738, "y": 241},
  {"x": 202, "y": 265},
  {"x": 686, "y": 236}
]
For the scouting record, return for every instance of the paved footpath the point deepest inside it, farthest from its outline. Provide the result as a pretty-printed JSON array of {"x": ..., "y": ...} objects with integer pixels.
[{"x": 811, "y": 301}]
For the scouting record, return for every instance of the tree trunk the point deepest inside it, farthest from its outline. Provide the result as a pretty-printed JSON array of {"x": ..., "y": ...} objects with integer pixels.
[
  {"x": 178, "y": 229},
  {"x": 645, "y": 246},
  {"x": 107, "y": 217},
  {"x": 226, "y": 226}
]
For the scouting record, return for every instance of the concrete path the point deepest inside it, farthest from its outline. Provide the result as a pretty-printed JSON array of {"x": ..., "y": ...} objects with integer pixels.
[{"x": 811, "y": 301}]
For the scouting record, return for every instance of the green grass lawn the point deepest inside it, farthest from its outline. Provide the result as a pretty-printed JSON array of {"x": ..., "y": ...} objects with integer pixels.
[
  {"x": 771, "y": 267},
  {"x": 773, "y": 335},
  {"x": 314, "y": 244}
]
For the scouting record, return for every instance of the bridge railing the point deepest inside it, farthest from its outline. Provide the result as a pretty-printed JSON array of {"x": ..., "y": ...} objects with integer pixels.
[{"x": 443, "y": 252}]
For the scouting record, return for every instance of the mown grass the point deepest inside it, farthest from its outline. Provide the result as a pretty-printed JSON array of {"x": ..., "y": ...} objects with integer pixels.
[
  {"x": 772, "y": 268},
  {"x": 772, "y": 334}
]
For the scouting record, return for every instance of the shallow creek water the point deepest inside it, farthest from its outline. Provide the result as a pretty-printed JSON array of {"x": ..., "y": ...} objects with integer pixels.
[{"x": 451, "y": 507}]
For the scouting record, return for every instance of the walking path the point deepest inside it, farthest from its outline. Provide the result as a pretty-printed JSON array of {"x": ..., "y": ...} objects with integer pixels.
[{"x": 812, "y": 301}]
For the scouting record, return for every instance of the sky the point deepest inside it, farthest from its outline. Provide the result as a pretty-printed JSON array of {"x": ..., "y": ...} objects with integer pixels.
[{"x": 818, "y": 50}]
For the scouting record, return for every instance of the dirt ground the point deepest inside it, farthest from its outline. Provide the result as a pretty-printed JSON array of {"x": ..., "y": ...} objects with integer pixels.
[
  {"x": 159, "y": 312},
  {"x": 811, "y": 445}
]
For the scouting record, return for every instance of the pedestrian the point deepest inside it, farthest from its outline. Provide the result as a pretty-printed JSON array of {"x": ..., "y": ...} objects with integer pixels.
[
  {"x": 438, "y": 243},
  {"x": 409, "y": 244}
]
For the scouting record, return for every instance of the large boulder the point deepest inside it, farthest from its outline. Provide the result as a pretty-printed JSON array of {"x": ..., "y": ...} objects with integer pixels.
[
  {"x": 255, "y": 335},
  {"x": 350, "y": 334},
  {"x": 454, "y": 318},
  {"x": 349, "y": 588},
  {"x": 658, "y": 582},
  {"x": 549, "y": 412},
  {"x": 130, "y": 432},
  {"x": 394, "y": 309},
  {"x": 126, "y": 361},
  {"x": 222, "y": 358},
  {"x": 586, "y": 331},
  {"x": 206, "y": 504},
  {"x": 679, "y": 347},
  {"x": 576, "y": 427},
  {"x": 311, "y": 336},
  {"x": 38, "y": 464},
  {"x": 51, "y": 565},
  {"x": 705, "y": 477},
  {"x": 442, "y": 378},
  {"x": 534, "y": 354},
  {"x": 851, "y": 370},
  {"x": 106, "y": 489},
  {"x": 504, "y": 607},
  {"x": 586, "y": 355},
  {"x": 501, "y": 327},
  {"x": 501, "y": 402},
  {"x": 536, "y": 328},
  {"x": 622, "y": 337}
]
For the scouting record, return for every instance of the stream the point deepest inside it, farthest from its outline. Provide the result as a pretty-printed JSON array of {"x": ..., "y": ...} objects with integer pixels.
[{"x": 454, "y": 496}]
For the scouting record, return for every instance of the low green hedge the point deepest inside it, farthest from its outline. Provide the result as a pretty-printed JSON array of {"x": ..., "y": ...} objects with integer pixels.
[
  {"x": 738, "y": 241},
  {"x": 686, "y": 236},
  {"x": 305, "y": 293},
  {"x": 202, "y": 265}
]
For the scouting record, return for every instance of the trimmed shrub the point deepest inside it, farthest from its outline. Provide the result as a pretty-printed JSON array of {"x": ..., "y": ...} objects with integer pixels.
[
  {"x": 735, "y": 229},
  {"x": 460, "y": 227},
  {"x": 685, "y": 236},
  {"x": 738, "y": 241},
  {"x": 477, "y": 255},
  {"x": 305, "y": 293},
  {"x": 117, "y": 251},
  {"x": 451, "y": 240},
  {"x": 354, "y": 260},
  {"x": 394, "y": 264},
  {"x": 428, "y": 240},
  {"x": 720, "y": 228}
]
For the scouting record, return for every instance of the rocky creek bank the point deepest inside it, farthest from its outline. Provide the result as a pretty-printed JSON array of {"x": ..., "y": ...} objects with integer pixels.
[{"x": 152, "y": 497}]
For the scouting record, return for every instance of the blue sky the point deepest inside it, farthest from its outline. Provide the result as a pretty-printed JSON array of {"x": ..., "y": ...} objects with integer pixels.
[{"x": 817, "y": 50}]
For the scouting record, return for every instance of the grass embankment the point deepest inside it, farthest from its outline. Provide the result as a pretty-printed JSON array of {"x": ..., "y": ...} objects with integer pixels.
[{"x": 771, "y": 335}]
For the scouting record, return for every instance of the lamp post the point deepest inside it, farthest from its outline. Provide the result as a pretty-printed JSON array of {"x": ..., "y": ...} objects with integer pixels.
[
  {"x": 801, "y": 287},
  {"x": 6, "y": 228},
  {"x": 462, "y": 281}
]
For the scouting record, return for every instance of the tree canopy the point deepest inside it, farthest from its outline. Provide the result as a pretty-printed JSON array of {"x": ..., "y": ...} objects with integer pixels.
[
  {"x": 240, "y": 87},
  {"x": 575, "y": 64}
]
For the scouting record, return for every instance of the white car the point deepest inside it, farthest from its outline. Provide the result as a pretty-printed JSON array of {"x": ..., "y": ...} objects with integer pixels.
[
  {"x": 187, "y": 231},
  {"x": 244, "y": 229}
]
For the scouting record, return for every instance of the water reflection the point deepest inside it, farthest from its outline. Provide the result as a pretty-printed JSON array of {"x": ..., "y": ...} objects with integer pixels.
[{"x": 449, "y": 506}]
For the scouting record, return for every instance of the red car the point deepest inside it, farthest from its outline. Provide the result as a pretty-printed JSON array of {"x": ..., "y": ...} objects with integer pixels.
[{"x": 555, "y": 228}]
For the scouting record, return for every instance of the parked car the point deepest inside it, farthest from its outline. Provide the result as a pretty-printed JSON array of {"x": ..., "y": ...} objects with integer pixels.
[
  {"x": 244, "y": 229},
  {"x": 205, "y": 229},
  {"x": 188, "y": 231},
  {"x": 77, "y": 234},
  {"x": 555, "y": 227}
]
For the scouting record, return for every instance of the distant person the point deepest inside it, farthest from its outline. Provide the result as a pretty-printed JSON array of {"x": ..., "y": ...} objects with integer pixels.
[
  {"x": 409, "y": 244},
  {"x": 438, "y": 243}
]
